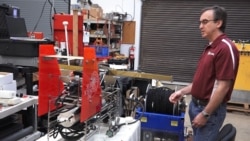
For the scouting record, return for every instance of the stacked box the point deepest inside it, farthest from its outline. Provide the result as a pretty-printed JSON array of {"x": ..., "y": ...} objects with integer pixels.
[
  {"x": 7, "y": 81},
  {"x": 161, "y": 126},
  {"x": 95, "y": 12}
]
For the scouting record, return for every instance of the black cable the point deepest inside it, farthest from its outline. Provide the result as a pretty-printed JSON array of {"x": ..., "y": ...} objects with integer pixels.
[
  {"x": 113, "y": 129},
  {"x": 143, "y": 109},
  {"x": 50, "y": 13},
  {"x": 168, "y": 107},
  {"x": 51, "y": 5},
  {"x": 73, "y": 133},
  {"x": 150, "y": 100},
  {"x": 119, "y": 125},
  {"x": 39, "y": 17},
  {"x": 55, "y": 131},
  {"x": 66, "y": 1},
  {"x": 50, "y": 19},
  {"x": 158, "y": 100},
  {"x": 141, "y": 105}
]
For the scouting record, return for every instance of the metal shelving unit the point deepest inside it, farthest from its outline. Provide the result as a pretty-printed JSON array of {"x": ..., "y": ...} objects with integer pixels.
[{"x": 112, "y": 37}]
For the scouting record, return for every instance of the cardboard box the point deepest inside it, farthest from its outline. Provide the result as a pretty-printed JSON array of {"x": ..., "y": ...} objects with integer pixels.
[
  {"x": 6, "y": 78},
  {"x": 95, "y": 13},
  {"x": 9, "y": 86}
]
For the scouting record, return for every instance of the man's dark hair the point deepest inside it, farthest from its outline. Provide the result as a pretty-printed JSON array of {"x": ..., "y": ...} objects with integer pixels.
[{"x": 220, "y": 13}]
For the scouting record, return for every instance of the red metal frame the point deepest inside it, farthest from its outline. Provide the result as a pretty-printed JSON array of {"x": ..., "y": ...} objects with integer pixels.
[{"x": 51, "y": 86}]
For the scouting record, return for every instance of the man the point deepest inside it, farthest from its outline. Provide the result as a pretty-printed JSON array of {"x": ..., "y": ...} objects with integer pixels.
[{"x": 214, "y": 78}]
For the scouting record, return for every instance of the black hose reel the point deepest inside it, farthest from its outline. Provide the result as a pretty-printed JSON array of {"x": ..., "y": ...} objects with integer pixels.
[{"x": 157, "y": 101}]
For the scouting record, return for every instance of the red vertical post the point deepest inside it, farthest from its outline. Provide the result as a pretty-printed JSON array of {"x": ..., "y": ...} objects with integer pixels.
[
  {"x": 91, "y": 89},
  {"x": 50, "y": 84}
]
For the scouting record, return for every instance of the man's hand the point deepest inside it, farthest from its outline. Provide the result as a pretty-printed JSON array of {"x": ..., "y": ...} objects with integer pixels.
[
  {"x": 199, "y": 121},
  {"x": 174, "y": 97},
  {"x": 177, "y": 95}
]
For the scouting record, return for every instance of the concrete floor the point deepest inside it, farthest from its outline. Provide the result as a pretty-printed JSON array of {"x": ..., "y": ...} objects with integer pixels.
[{"x": 239, "y": 119}]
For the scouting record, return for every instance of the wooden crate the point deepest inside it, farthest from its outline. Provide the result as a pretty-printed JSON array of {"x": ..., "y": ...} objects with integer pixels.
[{"x": 238, "y": 106}]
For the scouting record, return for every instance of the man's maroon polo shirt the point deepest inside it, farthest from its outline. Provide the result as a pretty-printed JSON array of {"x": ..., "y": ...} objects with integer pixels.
[{"x": 219, "y": 61}]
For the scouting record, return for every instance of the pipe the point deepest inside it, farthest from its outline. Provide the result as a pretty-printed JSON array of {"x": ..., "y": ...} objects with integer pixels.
[{"x": 65, "y": 23}]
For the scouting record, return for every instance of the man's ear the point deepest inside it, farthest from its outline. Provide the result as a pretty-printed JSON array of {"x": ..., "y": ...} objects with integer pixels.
[{"x": 219, "y": 23}]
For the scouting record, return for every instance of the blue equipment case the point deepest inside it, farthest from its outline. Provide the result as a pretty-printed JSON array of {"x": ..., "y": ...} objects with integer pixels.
[{"x": 162, "y": 126}]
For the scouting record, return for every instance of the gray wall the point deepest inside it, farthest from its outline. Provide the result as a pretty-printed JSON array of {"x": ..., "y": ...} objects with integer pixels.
[{"x": 170, "y": 38}]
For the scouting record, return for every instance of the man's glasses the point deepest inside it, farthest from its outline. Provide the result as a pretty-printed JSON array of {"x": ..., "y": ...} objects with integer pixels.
[{"x": 205, "y": 21}]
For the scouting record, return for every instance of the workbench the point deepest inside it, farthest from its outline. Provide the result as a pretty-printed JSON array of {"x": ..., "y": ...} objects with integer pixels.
[{"x": 28, "y": 108}]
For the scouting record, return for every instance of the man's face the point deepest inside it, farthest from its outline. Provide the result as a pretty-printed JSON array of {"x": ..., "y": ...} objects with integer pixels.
[{"x": 207, "y": 24}]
